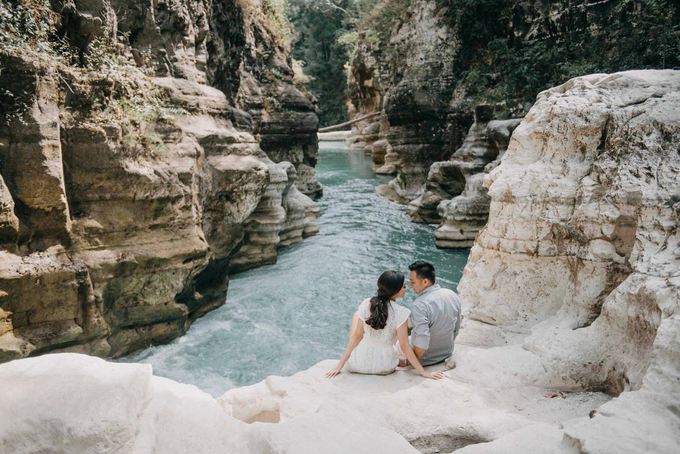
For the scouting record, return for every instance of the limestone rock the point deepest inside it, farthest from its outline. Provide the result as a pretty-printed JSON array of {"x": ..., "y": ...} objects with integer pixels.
[
  {"x": 298, "y": 414},
  {"x": 123, "y": 197},
  {"x": 365, "y": 137},
  {"x": 9, "y": 223},
  {"x": 254, "y": 68},
  {"x": 425, "y": 124},
  {"x": 577, "y": 262},
  {"x": 265, "y": 223},
  {"x": 76, "y": 403},
  {"x": 485, "y": 142},
  {"x": 463, "y": 216},
  {"x": 283, "y": 217},
  {"x": 32, "y": 156},
  {"x": 444, "y": 181}
]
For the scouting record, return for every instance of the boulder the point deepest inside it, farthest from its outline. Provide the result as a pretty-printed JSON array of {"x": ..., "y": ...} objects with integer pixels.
[{"x": 77, "y": 403}]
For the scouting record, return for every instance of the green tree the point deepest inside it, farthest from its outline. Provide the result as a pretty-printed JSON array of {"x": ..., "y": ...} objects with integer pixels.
[{"x": 318, "y": 25}]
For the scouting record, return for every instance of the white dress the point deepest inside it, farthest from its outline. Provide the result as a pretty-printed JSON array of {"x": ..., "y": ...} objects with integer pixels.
[{"x": 377, "y": 353}]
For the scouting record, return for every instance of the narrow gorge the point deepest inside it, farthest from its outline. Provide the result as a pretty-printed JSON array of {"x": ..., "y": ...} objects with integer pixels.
[{"x": 181, "y": 256}]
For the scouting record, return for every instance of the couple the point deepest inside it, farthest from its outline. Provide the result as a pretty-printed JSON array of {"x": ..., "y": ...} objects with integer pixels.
[{"x": 380, "y": 321}]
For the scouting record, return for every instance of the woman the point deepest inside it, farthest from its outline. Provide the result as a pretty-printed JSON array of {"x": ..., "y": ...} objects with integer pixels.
[{"x": 376, "y": 325}]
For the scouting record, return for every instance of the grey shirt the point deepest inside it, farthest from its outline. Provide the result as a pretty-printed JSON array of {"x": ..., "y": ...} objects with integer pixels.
[{"x": 435, "y": 318}]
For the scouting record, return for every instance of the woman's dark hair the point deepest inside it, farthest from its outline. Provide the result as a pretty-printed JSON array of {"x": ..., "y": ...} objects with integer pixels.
[
  {"x": 423, "y": 269},
  {"x": 389, "y": 284}
]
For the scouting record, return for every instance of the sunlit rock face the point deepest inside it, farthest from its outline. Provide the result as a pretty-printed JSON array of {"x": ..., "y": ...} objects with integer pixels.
[
  {"x": 580, "y": 260},
  {"x": 76, "y": 403},
  {"x": 116, "y": 230}
]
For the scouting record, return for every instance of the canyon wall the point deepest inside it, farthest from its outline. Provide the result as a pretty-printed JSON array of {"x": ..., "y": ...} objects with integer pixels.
[
  {"x": 428, "y": 68},
  {"x": 133, "y": 176}
]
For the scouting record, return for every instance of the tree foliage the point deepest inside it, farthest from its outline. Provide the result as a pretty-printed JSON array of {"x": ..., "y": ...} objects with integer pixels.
[
  {"x": 587, "y": 38},
  {"x": 318, "y": 26},
  {"x": 327, "y": 32}
]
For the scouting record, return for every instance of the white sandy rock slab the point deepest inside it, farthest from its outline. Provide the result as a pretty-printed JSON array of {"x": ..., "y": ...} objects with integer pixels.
[
  {"x": 434, "y": 416},
  {"x": 71, "y": 403}
]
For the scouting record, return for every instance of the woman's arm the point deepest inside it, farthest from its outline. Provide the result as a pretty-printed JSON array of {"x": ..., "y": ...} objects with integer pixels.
[
  {"x": 402, "y": 334},
  {"x": 356, "y": 333}
]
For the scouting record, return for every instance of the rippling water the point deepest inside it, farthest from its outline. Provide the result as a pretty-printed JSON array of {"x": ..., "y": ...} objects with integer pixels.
[{"x": 284, "y": 318}]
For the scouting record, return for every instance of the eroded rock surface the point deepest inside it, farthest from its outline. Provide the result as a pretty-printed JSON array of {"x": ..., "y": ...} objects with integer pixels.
[
  {"x": 123, "y": 196},
  {"x": 424, "y": 123},
  {"x": 255, "y": 68},
  {"x": 579, "y": 262},
  {"x": 485, "y": 142},
  {"x": 463, "y": 216},
  {"x": 305, "y": 413}
]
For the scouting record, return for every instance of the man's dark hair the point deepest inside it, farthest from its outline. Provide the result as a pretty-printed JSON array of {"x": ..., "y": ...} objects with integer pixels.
[{"x": 423, "y": 269}]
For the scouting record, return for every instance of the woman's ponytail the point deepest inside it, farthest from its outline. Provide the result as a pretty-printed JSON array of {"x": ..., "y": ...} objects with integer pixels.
[{"x": 389, "y": 284}]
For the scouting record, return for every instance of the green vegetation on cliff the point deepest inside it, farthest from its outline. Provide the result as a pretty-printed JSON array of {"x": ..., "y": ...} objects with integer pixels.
[
  {"x": 512, "y": 50},
  {"x": 508, "y": 50},
  {"x": 316, "y": 42},
  {"x": 326, "y": 33},
  {"x": 31, "y": 29}
]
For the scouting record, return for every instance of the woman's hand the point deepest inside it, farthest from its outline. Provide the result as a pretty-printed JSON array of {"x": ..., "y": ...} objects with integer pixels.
[
  {"x": 436, "y": 375},
  {"x": 335, "y": 371}
]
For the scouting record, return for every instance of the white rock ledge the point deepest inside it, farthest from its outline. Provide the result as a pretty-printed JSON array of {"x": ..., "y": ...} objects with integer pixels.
[{"x": 72, "y": 403}]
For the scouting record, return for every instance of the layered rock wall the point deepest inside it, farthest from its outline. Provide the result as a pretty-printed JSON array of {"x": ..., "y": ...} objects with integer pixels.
[
  {"x": 255, "y": 66},
  {"x": 580, "y": 260},
  {"x": 463, "y": 216},
  {"x": 425, "y": 123},
  {"x": 123, "y": 196},
  {"x": 439, "y": 58},
  {"x": 486, "y": 141}
]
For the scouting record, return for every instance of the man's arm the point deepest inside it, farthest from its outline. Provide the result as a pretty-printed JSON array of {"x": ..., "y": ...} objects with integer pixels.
[
  {"x": 458, "y": 320},
  {"x": 420, "y": 335},
  {"x": 419, "y": 351}
]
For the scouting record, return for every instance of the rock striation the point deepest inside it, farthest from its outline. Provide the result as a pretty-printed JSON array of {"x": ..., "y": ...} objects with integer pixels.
[
  {"x": 580, "y": 260},
  {"x": 463, "y": 216},
  {"x": 255, "y": 67},
  {"x": 427, "y": 66},
  {"x": 485, "y": 143},
  {"x": 571, "y": 287},
  {"x": 124, "y": 197},
  {"x": 425, "y": 124}
]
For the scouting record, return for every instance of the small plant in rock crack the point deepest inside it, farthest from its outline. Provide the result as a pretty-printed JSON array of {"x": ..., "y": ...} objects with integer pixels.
[
  {"x": 147, "y": 140},
  {"x": 13, "y": 106},
  {"x": 271, "y": 104},
  {"x": 28, "y": 27}
]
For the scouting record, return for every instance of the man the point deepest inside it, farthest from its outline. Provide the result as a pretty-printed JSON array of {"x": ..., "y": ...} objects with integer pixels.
[{"x": 435, "y": 316}]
